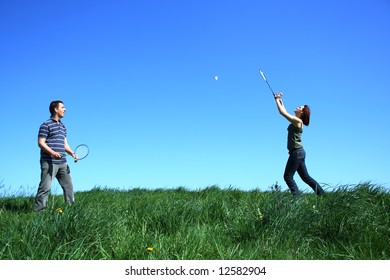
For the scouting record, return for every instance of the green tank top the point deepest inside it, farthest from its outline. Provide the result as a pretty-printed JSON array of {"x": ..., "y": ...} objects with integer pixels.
[{"x": 294, "y": 138}]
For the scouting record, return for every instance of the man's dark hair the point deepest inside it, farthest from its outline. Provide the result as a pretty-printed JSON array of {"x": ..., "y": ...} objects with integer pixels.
[{"x": 53, "y": 106}]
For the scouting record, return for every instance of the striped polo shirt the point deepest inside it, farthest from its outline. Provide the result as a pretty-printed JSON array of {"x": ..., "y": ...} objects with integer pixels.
[{"x": 55, "y": 134}]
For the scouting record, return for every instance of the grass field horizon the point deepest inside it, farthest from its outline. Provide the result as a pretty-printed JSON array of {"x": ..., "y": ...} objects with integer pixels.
[{"x": 348, "y": 223}]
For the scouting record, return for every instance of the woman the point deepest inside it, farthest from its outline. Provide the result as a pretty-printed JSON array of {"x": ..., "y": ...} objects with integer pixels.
[{"x": 296, "y": 160}]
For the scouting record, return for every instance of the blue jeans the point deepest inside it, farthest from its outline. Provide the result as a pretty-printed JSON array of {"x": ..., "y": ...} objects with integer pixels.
[{"x": 296, "y": 162}]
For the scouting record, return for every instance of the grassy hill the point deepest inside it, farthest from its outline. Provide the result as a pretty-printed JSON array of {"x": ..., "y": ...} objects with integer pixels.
[{"x": 212, "y": 223}]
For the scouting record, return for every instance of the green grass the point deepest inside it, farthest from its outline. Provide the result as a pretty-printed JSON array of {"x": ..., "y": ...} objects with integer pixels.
[{"x": 212, "y": 223}]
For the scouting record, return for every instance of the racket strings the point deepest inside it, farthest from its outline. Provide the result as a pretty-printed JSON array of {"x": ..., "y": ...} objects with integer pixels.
[{"x": 82, "y": 151}]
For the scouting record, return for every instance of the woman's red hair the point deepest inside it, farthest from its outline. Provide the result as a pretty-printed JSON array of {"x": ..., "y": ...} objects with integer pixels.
[{"x": 305, "y": 117}]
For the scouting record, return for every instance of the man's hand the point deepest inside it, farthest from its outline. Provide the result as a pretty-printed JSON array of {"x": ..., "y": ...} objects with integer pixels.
[
  {"x": 76, "y": 157},
  {"x": 56, "y": 155}
]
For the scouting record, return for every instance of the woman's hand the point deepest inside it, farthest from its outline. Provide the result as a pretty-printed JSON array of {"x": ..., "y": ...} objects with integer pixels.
[{"x": 278, "y": 95}]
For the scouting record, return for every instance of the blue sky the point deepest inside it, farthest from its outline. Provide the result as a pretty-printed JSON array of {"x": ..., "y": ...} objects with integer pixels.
[{"x": 136, "y": 78}]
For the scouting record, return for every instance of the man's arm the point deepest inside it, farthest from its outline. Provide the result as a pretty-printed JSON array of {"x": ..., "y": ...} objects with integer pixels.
[{"x": 69, "y": 150}]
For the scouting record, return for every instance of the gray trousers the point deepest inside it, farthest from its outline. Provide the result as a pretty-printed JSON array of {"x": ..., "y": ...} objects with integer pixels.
[{"x": 48, "y": 172}]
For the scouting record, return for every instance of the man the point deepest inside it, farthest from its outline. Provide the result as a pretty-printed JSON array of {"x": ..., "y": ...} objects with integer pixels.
[{"x": 53, "y": 144}]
